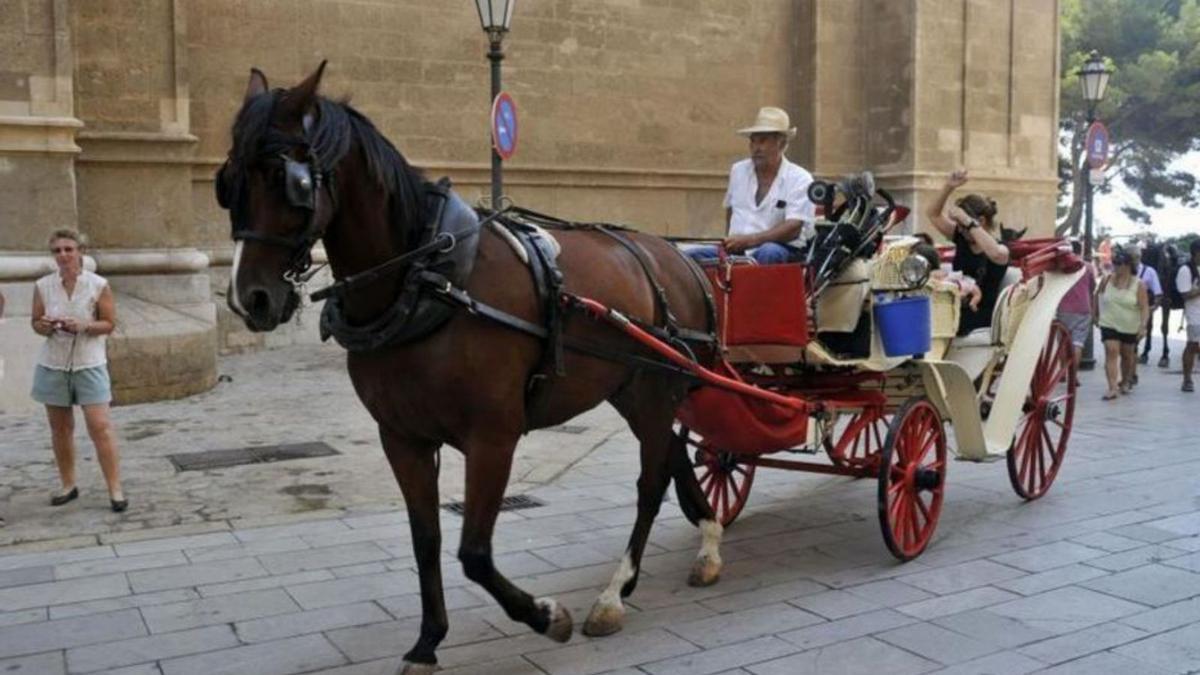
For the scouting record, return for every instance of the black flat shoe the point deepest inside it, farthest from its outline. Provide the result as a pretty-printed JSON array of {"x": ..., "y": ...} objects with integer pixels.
[
  {"x": 119, "y": 505},
  {"x": 59, "y": 500}
]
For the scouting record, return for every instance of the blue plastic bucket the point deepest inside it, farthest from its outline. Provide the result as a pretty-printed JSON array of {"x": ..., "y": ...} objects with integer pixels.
[{"x": 904, "y": 326}]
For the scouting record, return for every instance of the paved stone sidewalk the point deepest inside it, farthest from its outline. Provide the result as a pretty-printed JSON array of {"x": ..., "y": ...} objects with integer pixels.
[{"x": 1102, "y": 575}]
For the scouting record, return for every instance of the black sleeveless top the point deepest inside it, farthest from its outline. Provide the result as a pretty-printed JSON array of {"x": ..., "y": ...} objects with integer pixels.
[{"x": 987, "y": 276}]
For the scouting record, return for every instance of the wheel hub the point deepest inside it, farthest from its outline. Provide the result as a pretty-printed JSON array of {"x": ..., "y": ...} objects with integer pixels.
[
  {"x": 926, "y": 479},
  {"x": 1052, "y": 412}
]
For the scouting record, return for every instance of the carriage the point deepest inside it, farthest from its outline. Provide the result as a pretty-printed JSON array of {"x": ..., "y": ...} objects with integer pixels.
[
  {"x": 853, "y": 354},
  {"x": 465, "y": 328}
]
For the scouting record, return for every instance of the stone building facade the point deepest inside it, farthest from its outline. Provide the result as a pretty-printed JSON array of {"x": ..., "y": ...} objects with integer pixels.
[{"x": 114, "y": 115}]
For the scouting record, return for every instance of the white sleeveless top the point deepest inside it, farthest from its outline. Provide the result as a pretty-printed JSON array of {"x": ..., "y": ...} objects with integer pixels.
[{"x": 64, "y": 351}]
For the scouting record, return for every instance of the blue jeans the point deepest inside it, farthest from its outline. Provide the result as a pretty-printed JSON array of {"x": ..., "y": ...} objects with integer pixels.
[{"x": 770, "y": 253}]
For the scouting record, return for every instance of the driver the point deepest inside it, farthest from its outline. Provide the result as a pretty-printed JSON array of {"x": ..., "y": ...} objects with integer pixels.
[{"x": 767, "y": 211}]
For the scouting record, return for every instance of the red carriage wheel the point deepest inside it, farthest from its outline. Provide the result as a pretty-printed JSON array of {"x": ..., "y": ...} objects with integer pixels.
[
  {"x": 912, "y": 478},
  {"x": 725, "y": 480},
  {"x": 1045, "y": 425},
  {"x": 861, "y": 441}
]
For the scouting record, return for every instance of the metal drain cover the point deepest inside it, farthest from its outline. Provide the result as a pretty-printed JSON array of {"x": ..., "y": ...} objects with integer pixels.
[
  {"x": 511, "y": 503},
  {"x": 259, "y": 454}
]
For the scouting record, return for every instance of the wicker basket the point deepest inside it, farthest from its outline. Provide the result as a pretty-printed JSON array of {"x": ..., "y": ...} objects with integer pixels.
[
  {"x": 885, "y": 268},
  {"x": 945, "y": 308}
]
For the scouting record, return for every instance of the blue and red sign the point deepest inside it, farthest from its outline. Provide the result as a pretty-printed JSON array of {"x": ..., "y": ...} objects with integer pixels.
[
  {"x": 504, "y": 125},
  {"x": 1097, "y": 145}
]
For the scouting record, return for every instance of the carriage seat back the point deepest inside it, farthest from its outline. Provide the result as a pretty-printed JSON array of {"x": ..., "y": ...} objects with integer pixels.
[
  {"x": 840, "y": 304},
  {"x": 762, "y": 312}
]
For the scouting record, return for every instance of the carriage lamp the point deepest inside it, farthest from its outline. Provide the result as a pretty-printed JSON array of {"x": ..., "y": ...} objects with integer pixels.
[
  {"x": 495, "y": 17},
  {"x": 1093, "y": 81},
  {"x": 914, "y": 270}
]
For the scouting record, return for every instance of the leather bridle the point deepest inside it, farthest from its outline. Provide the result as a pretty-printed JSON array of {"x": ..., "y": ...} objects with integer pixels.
[{"x": 303, "y": 183}]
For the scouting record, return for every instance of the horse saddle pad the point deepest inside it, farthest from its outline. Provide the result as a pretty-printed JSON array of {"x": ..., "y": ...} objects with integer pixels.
[{"x": 551, "y": 244}]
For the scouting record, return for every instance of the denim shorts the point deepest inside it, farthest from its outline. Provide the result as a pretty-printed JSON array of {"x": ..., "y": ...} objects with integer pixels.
[{"x": 63, "y": 388}]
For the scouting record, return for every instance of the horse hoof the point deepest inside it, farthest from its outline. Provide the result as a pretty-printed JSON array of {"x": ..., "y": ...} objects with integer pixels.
[
  {"x": 604, "y": 619},
  {"x": 705, "y": 572},
  {"x": 410, "y": 668},
  {"x": 561, "y": 626}
]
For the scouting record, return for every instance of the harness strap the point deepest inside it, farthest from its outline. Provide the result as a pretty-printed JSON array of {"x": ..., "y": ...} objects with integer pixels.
[
  {"x": 443, "y": 288},
  {"x": 660, "y": 295}
]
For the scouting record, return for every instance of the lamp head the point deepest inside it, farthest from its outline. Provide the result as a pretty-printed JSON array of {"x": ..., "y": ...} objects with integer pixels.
[{"x": 1093, "y": 78}]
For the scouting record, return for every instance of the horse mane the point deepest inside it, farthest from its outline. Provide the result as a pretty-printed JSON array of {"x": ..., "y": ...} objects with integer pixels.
[{"x": 336, "y": 127}]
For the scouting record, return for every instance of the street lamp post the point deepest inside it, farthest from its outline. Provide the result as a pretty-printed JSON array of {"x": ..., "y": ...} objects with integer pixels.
[
  {"x": 495, "y": 17},
  {"x": 1093, "y": 79}
]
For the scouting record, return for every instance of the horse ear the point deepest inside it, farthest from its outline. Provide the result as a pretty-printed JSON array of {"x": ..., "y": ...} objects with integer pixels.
[
  {"x": 300, "y": 98},
  {"x": 256, "y": 85}
]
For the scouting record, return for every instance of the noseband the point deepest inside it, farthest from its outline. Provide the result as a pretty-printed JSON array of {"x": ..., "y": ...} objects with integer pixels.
[{"x": 303, "y": 182}]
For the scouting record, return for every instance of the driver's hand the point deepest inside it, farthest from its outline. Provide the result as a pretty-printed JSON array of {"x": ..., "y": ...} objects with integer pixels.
[
  {"x": 739, "y": 243},
  {"x": 957, "y": 179}
]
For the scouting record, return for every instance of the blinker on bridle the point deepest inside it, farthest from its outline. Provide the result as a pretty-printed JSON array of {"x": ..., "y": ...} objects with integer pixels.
[{"x": 302, "y": 182}]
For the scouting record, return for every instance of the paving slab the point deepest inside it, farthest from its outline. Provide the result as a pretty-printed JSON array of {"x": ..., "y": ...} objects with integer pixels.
[{"x": 307, "y": 565}]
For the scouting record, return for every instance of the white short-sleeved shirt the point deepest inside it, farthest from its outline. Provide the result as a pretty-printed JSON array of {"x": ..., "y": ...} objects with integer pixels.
[
  {"x": 64, "y": 351},
  {"x": 786, "y": 200},
  {"x": 1191, "y": 307},
  {"x": 1149, "y": 276}
]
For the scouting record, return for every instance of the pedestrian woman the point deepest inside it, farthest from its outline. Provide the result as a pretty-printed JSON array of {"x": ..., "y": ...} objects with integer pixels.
[
  {"x": 74, "y": 309},
  {"x": 978, "y": 252},
  {"x": 1123, "y": 308}
]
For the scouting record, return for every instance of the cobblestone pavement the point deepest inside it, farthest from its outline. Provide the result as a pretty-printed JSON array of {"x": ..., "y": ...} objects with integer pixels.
[{"x": 305, "y": 565}]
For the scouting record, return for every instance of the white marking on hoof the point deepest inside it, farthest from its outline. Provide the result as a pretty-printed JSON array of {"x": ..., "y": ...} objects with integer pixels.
[
  {"x": 408, "y": 668},
  {"x": 608, "y": 614},
  {"x": 561, "y": 626},
  {"x": 707, "y": 568}
]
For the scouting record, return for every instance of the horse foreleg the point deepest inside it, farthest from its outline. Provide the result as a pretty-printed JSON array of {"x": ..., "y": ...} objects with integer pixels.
[
  {"x": 654, "y": 432},
  {"x": 416, "y": 470},
  {"x": 707, "y": 568},
  {"x": 488, "y": 468}
]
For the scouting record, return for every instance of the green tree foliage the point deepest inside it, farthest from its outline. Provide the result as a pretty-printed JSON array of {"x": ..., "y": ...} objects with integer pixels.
[{"x": 1152, "y": 106}]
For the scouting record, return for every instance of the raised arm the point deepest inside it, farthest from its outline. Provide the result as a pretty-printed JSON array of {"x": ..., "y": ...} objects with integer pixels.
[
  {"x": 940, "y": 221},
  {"x": 994, "y": 250}
]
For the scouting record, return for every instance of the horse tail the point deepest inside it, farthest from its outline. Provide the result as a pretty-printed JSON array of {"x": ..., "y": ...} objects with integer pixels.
[{"x": 687, "y": 489}]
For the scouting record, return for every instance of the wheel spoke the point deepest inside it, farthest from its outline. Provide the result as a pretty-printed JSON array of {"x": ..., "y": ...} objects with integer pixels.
[
  {"x": 924, "y": 508},
  {"x": 914, "y": 525}
]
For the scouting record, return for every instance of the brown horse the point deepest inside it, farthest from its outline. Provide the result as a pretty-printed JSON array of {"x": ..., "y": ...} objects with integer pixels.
[{"x": 303, "y": 168}]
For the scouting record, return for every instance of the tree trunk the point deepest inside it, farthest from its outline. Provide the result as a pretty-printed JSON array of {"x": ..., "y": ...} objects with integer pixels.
[{"x": 1070, "y": 224}]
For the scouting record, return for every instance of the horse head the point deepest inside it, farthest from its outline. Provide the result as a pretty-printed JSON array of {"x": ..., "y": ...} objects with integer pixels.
[{"x": 280, "y": 195}]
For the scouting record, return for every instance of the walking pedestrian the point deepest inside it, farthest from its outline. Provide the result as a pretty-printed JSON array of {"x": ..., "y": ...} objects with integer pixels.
[
  {"x": 75, "y": 311},
  {"x": 1168, "y": 271},
  {"x": 1146, "y": 268},
  {"x": 1075, "y": 309},
  {"x": 1122, "y": 307},
  {"x": 1187, "y": 282}
]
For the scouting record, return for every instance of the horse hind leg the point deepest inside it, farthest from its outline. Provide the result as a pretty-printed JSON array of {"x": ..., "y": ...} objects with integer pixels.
[
  {"x": 650, "y": 414},
  {"x": 706, "y": 570},
  {"x": 416, "y": 470},
  {"x": 487, "y": 467}
]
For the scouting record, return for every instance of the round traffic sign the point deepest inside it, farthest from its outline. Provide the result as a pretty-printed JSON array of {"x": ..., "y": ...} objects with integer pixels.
[
  {"x": 504, "y": 125},
  {"x": 1097, "y": 145}
]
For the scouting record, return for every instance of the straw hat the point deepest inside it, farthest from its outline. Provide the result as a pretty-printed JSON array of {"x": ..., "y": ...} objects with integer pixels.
[{"x": 770, "y": 121}]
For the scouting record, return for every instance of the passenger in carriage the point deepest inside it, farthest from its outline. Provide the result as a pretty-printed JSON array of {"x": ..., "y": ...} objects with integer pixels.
[
  {"x": 967, "y": 288},
  {"x": 978, "y": 252},
  {"x": 768, "y": 215}
]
